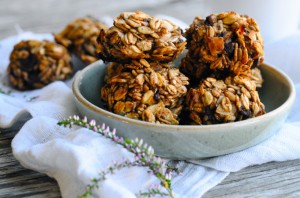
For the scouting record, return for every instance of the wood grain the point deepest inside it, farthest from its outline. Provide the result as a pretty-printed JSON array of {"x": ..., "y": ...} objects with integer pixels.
[
  {"x": 276, "y": 179},
  {"x": 15, "y": 180},
  {"x": 268, "y": 180}
]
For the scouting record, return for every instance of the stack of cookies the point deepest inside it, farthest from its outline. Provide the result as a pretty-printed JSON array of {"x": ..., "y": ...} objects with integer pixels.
[
  {"x": 141, "y": 82},
  {"x": 224, "y": 52}
]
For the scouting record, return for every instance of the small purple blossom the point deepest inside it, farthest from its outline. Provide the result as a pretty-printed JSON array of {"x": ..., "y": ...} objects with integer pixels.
[
  {"x": 84, "y": 119},
  {"x": 93, "y": 123},
  {"x": 76, "y": 117},
  {"x": 114, "y": 132},
  {"x": 115, "y": 138}
]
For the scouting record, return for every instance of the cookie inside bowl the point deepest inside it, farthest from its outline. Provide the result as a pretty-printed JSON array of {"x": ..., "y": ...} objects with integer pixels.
[{"x": 190, "y": 141}]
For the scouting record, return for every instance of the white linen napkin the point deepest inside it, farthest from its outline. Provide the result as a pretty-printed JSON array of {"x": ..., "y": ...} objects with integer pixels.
[{"x": 73, "y": 156}]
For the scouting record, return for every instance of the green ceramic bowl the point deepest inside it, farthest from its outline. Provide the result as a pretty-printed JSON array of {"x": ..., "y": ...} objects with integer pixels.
[{"x": 191, "y": 142}]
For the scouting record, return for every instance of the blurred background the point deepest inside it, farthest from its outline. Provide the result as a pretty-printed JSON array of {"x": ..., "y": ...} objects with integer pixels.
[{"x": 276, "y": 18}]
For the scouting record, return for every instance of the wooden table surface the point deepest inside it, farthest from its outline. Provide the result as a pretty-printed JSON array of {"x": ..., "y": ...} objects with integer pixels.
[{"x": 275, "y": 179}]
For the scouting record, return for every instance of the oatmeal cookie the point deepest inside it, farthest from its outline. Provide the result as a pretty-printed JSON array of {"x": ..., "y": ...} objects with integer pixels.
[
  {"x": 136, "y": 35},
  {"x": 148, "y": 91},
  {"x": 80, "y": 37},
  {"x": 222, "y": 44},
  {"x": 221, "y": 101},
  {"x": 34, "y": 64}
]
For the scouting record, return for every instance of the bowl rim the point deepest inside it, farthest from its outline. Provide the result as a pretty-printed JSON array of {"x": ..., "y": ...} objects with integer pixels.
[{"x": 76, "y": 92}]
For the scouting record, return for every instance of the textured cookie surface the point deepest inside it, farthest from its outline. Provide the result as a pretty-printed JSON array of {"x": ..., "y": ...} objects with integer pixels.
[{"x": 34, "y": 64}]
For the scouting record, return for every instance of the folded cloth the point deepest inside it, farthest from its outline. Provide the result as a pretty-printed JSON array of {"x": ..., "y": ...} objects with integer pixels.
[{"x": 73, "y": 156}]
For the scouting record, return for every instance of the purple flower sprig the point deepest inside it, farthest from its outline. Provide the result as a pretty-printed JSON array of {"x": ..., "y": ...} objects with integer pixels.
[{"x": 144, "y": 154}]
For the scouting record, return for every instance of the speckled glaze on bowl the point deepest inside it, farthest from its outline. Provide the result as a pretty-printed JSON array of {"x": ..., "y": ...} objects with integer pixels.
[{"x": 190, "y": 142}]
